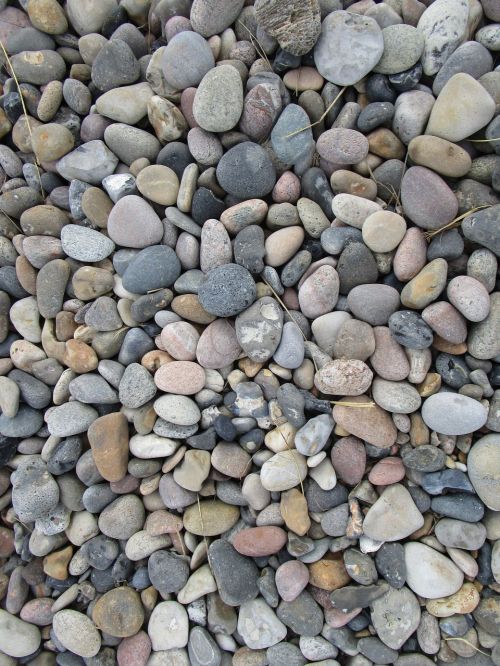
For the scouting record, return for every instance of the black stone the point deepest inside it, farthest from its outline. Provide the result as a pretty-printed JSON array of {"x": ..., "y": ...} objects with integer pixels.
[
  {"x": 236, "y": 575},
  {"x": 315, "y": 186},
  {"x": 356, "y": 265},
  {"x": 378, "y": 89},
  {"x": 224, "y": 428},
  {"x": 295, "y": 268},
  {"x": 249, "y": 249},
  {"x": 375, "y": 115},
  {"x": 176, "y": 156},
  {"x": 407, "y": 80},
  {"x": 410, "y": 330},
  {"x": 390, "y": 563},
  {"x": 449, "y": 479},
  {"x": 227, "y": 290},
  {"x": 206, "y": 206},
  {"x": 453, "y": 370},
  {"x": 460, "y": 506}
]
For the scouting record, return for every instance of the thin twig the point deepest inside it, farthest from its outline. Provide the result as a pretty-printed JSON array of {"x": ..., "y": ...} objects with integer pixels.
[
  {"x": 25, "y": 111},
  {"x": 464, "y": 640},
  {"x": 320, "y": 119},
  {"x": 456, "y": 222}
]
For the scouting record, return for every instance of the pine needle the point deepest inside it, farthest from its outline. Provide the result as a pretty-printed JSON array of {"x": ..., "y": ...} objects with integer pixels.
[
  {"x": 492, "y": 140},
  {"x": 320, "y": 119},
  {"x": 25, "y": 111},
  {"x": 454, "y": 223}
]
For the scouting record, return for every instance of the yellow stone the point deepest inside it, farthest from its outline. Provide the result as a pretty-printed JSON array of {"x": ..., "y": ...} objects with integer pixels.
[
  {"x": 464, "y": 601},
  {"x": 293, "y": 508}
]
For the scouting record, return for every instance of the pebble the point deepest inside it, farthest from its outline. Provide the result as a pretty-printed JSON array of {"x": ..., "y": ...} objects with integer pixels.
[
  {"x": 186, "y": 59},
  {"x": 364, "y": 38},
  {"x": 453, "y": 414},
  {"x": 385, "y": 521},
  {"x": 76, "y": 632},
  {"x": 429, "y": 573},
  {"x": 227, "y": 290},
  {"x": 246, "y": 171},
  {"x": 292, "y": 149}
]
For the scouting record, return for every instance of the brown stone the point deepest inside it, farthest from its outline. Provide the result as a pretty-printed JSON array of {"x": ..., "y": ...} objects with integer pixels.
[
  {"x": 162, "y": 522},
  {"x": 108, "y": 438},
  {"x": 386, "y": 144},
  {"x": 65, "y": 326},
  {"x": 134, "y": 651},
  {"x": 80, "y": 357},
  {"x": 189, "y": 307},
  {"x": 119, "y": 612},
  {"x": 293, "y": 509},
  {"x": 89, "y": 282},
  {"x": 260, "y": 541},
  {"x": 56, "y": 564},
  {"x": 38, "y": 611},
  {"x": 303, "y": 78},
  {"x": 328, "y": 574},
  {"x": 155, "y": 359},
  {"x": 426, "y": 286},
  {"x": 97, "y": 206},
  {"x": 364, "y": 419},
  {"x": 387, "y": 471},
  {"x": 349, "y": 459}
]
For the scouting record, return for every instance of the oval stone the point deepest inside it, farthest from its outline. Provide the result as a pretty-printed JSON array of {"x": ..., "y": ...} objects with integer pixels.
[
  {"x": 453, "y": 414},
  {"x": 210, "y": 517},
  {"x": 181, "y": 377}
]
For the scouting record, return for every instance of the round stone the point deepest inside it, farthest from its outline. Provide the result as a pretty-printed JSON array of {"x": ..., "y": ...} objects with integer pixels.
[
  {"x": 186, "y": 59},
  {"x": 342, "y": 146},
  {"x": 227, "y": 290},
  {"x": 470, "y": 297},
  {"x": 132, "y": 222},
  {"x": 159, "y": 184},
  {"x": 427, "y": 199},
  {"x": 177, "y": 409},
  {"x": 180, "y": 377},
  {"x": 119, "y": 612},
  {"x": 383, "y": 231},
  {"x": 349, "y": 47},
  {"x": 403, "y": 46},
  {"x": 246, "y": 171}
]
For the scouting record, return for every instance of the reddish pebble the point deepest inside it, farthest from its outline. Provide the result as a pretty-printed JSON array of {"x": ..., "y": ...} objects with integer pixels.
[
  {"x": 291, "y": 578},
  {"x": 187, "y": 99},
  {"x": 162, "y": 522},
  {"x": 287, "y": 189},
  {"x": 336, "y": 618},
  {"x": 134, "y": 651},
  {"x": 6, "y": 542},
  {"x": 181, "y": 377},
  {"x": 38, "y": 611},
  {"x": 180, "y": 339},
  {"x": 126, "y": 485},
  {"x": 260, "y": 541},
  {"x": 349, "y": 459},
  {"x": 387, "y": 471}
]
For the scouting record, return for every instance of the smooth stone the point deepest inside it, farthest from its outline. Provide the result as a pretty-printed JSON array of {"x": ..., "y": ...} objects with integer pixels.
[
  {"x": 114, "y": 65},
  {"x": 174, "y": 616},
  {"x": 70, "y": 418},
  {"x": 463, "y": 107},
  {"x": 236, "y": 575},
  {"x": 427, "y": 199},
  {"x": 122, "y": 518},
  {"x": 18, "y": 638},
  {"x": 482, "y": 341},
  {"x": 260, "y": 541},
  {"x": 211, "y": 17},
  {"x": 390, "y": 563},
  {"x": 429, "y": 573},
  {"x": 152, "y": 268},
  {"x": 410, "y": 330},
  {"x": 453, "y": 413},
  {"x": 177, "y": 409},
  {"x": 292, "y": 149},
  {"x": 218, "y": 345},
  {"x": 319, "y": 292},
  {"x": 460, "y": 534},
  {"x": 76, "y": 632},
  {"x": 123, "y": 227},
  {"x": 119, "y": 612},
  {"x": 386, "y": 521},
  {"x": 403, "y": 46},
  {"x": 344, "y": 377},
  {"x": 127, "y": 104},
  {"x": 290, "y": 351},
  {"x": 480, "y": 227},
  {"x": 348, "y": 48},
  {"x": 373, "y": 303},
  {"x": 482, "y": 465},
  {"x": 425, "y": 458},
  {"x": 85, "y": 244},
  {"x": 130, "y": 143},
  {"x": 210, "y": 518},
  {"x": 159, "y": 184},
  {"x": 246, "y": 171},
  {"x": 470, "y": 297},
  {"x": 443, "y": 28},
  {"x": 180, "y": 377},
  {"x": 440, "y": 155},
  {"x": 314, "y": 435},
  {"x": 282, "y": 245},
  {"x": 186, "y": 59},
  {"x": 283, "y": 471},
  {"x": 218, "y": 102},
  {"x": 470, "y": 57},
  {"x": 342, "y": 146},
  {"x": 168, "y": 572},
  {"x": 370, "y": 423}
]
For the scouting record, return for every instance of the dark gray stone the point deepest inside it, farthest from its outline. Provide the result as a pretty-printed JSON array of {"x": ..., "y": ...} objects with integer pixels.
[{"x": 227, "y": 290}]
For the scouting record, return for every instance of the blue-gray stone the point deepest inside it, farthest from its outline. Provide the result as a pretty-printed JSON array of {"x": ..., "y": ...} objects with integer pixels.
[
  {"x": 290, "y": 144},
  {"x": 153, "y": 268}
]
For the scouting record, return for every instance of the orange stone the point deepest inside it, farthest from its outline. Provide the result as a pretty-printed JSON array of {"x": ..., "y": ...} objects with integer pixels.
[
  {"x": 328, "y": 574},
  {"x": 293, "y": 508},
  {"x": 56, "y": 564},
  {"x": 108, "y": 438},
  {"x": 80, "y": 357},
  {"x": 260, "y": 541}
]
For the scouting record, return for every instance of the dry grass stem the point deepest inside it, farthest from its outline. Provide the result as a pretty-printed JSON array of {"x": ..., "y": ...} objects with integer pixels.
[
  {"x": 322, "y": 117},
  {"x": 454, "y": 223}
]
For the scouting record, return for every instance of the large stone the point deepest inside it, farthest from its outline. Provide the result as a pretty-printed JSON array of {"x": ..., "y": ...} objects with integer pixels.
[
  {"x": 18, "y": 638},
  {"x": 429, "y": 573},
  {"x": 258, "y": 329},
  {"x": 462, "y": 108},
  {"x": 443, "y": 26},
  {"x": 90, "y": 162},
  {"x": 349, "y": 47},
  {"x": 218, "y": 101},
  {"x": 296, "y": 24},
  {"x": 258, "y": 625},
  {"x": 395, "y": 616},
  {"x": 393, "y": 517},
  {"x": 453, "y": 413},
  {"x": 483, "y": 467},
  {"x": 368, "y": 421}
]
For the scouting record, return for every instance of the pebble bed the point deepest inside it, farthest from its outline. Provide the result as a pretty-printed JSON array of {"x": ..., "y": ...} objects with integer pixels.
[{"x": 249, "y": 333}]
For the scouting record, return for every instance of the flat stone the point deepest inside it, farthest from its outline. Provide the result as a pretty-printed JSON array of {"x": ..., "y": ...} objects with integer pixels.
[
  {"x": 463, "y": 107},
  {"x": 386, "y": 521},
  {"x": 119, "y": 612},
  {"x": 403, "y": 46},
  {"x": 285, "y": 470},
  {"x": 210, "y": 518},
  {"x": 482, "y": 466},
  {"x": 211, "y": 17},
  {"x": 85, "y": 244},
  {"x": 453, "y": 413},
  {"x": 90, "y": 162},
  {"x": 427, "y": 199},
  {"x": 344, "y": 33},
  {"x": 258, "y": 625},
  {"x": 371, "y": 423},
  {"x": 290, "y": 351},
  {"x": 429, "y": 573},
  {"x": 218, "y": 345},
  {"x": 235, "y": 574},
  {"x": 292, "y": 149},
  {"x": 460, "y": 534},
  {"x": 127, "y": 104},
  {"x": 260, "y": 541},
  {"x": 258, "y": 329}
]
